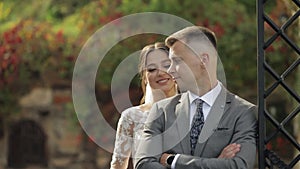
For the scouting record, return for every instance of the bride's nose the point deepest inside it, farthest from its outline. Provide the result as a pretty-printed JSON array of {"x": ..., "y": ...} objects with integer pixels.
[{"x": 161, "y": 72}]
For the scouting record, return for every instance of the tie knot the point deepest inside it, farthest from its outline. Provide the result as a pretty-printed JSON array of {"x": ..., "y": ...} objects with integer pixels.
[{"x": 198, "y": 101}]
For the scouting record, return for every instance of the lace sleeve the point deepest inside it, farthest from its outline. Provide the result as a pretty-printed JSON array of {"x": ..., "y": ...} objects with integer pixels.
[{"x": 123, "y": 143}]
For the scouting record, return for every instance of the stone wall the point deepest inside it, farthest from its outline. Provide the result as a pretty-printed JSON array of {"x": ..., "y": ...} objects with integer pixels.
[{"x": 51, "y": 110}]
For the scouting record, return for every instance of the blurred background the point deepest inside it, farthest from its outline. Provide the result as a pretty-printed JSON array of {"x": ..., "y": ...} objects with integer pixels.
[{"x": 39, "y": 44}]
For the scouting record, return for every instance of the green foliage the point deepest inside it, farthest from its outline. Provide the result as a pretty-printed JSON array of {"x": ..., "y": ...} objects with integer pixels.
[
  {"x": 119, "y": 52},
  {"x": 234, "y": 23},
  {"x": 28, "y": 53},
  {"x": 48, "y": 35},
  {"x": 4, "y": 11}
]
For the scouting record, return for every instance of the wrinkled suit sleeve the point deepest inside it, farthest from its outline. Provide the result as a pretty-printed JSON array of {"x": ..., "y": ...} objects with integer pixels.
[
  {"x": 246, "y": 134},
  {"x": 150, "y": 146}
]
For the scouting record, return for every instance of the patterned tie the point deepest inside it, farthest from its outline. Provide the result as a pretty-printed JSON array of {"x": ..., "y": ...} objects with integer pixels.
[{"x": 198, "y": 122}]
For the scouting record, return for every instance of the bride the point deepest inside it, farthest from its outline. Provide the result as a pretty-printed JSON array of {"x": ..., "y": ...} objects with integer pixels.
[{"x": 156, "y": 84}]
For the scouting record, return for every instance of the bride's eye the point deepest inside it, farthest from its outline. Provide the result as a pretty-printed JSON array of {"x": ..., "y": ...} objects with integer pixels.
[{"x": 151, "y": 69}]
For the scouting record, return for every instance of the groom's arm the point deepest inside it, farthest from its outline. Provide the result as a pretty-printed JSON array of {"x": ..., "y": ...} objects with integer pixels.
[
  {"x": 150, "y": 149},
  {"x": 246, "y": 132},
  {"x": 151, "y": 146}
]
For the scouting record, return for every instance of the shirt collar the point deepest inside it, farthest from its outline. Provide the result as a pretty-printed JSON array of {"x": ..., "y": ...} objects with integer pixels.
[{"x": 209, "y": 97}]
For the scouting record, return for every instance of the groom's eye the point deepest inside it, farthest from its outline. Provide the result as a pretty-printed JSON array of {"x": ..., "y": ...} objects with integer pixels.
[
  {"x": 166, "y": 66},
  {"x": 177, "y": 60}
]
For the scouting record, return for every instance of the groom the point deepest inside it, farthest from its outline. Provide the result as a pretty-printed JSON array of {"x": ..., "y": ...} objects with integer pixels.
[{"x": 204, "y": 127}]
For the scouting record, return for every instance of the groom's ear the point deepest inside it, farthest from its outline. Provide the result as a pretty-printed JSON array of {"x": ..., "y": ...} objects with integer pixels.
[{"x": 204, "y": 58}]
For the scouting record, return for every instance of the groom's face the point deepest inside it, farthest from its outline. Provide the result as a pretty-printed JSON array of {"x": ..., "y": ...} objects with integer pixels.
[{"x": 185, "y": 66}]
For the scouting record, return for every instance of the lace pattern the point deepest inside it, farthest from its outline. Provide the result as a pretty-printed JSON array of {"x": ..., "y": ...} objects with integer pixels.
[{"x": 129, "y": 131}]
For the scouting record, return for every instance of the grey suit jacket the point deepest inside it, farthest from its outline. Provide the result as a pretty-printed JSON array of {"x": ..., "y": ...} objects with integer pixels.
[{"x": 231, "y": 120}]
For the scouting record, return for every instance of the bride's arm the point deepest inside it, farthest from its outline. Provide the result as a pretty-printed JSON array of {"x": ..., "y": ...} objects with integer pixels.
[{"x": 123, "y": 143}]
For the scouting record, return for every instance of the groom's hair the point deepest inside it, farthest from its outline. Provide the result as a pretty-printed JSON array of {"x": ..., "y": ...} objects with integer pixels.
[{"x": 193, "y": 32}]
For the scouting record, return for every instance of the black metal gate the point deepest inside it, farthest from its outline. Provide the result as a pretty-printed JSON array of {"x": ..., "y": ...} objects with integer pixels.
[{"x": 280, "y": 78}]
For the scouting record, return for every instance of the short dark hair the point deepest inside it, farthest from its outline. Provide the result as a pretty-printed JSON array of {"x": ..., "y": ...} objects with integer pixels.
[{"x": 191, "y": 32}]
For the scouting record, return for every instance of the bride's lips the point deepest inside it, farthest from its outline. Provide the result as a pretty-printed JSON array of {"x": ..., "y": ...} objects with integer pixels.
[{"x": 162, "y": 81}]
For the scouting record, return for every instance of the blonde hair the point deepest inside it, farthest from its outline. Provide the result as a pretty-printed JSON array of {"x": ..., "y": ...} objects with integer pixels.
[{"x": 143, "y": 61}]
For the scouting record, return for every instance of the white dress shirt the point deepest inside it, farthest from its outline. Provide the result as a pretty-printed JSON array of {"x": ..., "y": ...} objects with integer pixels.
[{"x": 209, "y": 98}]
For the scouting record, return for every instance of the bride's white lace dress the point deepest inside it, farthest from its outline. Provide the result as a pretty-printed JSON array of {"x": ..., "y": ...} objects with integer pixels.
[{"x": 129, "y": 131}]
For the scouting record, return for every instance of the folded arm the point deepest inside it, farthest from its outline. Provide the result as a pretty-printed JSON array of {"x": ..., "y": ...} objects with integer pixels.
[
  {"x": 245, "y": 135},
  {"x": 245, "y": 132}
]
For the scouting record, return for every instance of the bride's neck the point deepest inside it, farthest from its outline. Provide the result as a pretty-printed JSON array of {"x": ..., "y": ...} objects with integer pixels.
[{"x": 157, "y": 95}]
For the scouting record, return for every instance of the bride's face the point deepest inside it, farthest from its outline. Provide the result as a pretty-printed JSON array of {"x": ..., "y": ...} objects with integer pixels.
[{"x": 157, "y": 64}]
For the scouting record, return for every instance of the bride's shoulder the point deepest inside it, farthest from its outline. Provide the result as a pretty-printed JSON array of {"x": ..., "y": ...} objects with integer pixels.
[{"x": 131, "y": 112}]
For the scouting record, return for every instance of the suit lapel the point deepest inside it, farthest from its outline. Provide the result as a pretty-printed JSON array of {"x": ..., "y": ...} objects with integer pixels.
[
  {"x": 182, "y": 112},
  {"x": 212, "y": 121}
]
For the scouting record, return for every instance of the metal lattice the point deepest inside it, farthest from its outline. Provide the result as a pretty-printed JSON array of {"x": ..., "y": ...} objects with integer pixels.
[{"x": 267, "y": 157}]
